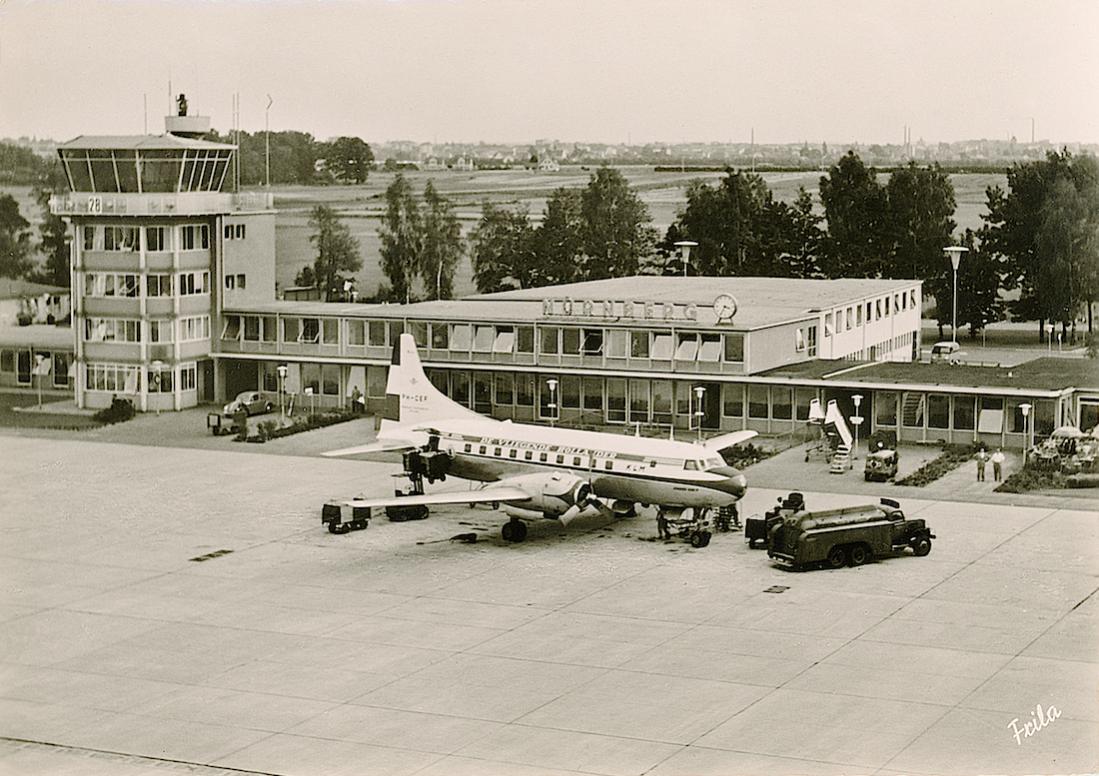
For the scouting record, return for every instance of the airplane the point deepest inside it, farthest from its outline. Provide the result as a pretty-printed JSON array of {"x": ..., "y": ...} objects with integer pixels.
[{"x": 539, "y": 472}]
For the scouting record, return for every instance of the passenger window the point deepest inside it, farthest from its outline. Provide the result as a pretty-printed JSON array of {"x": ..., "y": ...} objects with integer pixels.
[
  {"x": 528, "y": 455},
  {"x": 468, "y": 447},
  {"x": 497, "y": 452},
  {"x": 482, "y": 450},
  {"x": 607, "y": 464},
  {"x": 513, "y": 453},
  {"x": 576, "y": 460},
  {"x": 542, "y": 457},
  {"x": 560, "y": 459}
]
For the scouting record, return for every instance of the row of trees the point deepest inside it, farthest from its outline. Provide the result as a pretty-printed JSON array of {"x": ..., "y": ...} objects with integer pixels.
[
  {"x": 18, "y": 245},
  {"x": 294, "y": 157},
  {"x": 421, "y": 239}
]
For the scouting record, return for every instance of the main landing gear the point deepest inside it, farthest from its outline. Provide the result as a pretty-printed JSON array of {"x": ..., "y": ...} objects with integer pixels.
[
  {"x": 514, "y": 531},
  {"x": 685, "y": 523}
]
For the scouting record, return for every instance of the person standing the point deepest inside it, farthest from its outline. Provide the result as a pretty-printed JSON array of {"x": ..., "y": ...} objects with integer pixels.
[
  {"x": 982, "y": 459},
  {"x": 998, "y": 464}
]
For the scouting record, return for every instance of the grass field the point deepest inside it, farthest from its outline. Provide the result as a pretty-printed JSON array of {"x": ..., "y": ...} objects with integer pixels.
[{"x": 362, "y": 206}]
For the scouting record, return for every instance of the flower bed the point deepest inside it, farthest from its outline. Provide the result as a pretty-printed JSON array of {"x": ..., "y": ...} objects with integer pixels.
[
  {"x": 270, "y": 429},
  {"x": 948, "y": 460},
  {"x": 1032, "y": 478}
]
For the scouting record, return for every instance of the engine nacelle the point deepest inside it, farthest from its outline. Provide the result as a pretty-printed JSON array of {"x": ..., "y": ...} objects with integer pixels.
[{"x": 552, "y": 494}]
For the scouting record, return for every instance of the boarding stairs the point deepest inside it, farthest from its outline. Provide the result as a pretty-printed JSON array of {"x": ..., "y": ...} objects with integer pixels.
[{"x": 841, "y": 459}]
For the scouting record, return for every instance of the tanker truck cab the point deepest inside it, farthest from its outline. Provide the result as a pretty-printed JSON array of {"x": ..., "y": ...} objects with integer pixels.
[{"x": 847, "y": 536}]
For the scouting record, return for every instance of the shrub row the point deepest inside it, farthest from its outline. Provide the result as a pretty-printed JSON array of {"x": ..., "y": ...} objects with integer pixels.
[
  {"x": 948, "y": 460},
  {"x": 1032, "y": 478},
  {"x": 119, "y": 411},
  {"x": 270, "y": 429}
]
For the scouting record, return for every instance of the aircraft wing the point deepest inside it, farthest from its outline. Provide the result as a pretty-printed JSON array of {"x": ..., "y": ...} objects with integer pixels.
[
  {"x": 725, "y": 441},
  {"x": 502, "y": 493},
  {"x": 393, "y": 446}
]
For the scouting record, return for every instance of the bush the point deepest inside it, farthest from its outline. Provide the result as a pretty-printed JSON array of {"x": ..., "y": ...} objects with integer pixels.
[
  {"x": 120, "y": 410},
  {"x": 743, "y": 456},
  {"x": 270, "y": 429},
  {"x": 1032, "y": 478},
  {"x": 948, "y": 460}
]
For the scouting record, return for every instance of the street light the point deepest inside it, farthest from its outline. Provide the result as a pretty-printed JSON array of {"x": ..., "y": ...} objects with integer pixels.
[
  {"x": 552, "y": 385},
  {"x": 700, "y": 391},
  {"x": 685, "y": 248},
  {"x": 857, "y": 419},
  {"x": 282, "y": 379},
  {"x": 955, "y": 253},
  {"x": 312, "y": 401},
  {"x": 1026, "y": 429}
]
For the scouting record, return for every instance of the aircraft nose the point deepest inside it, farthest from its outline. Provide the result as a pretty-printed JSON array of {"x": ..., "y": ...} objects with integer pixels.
[{"x": 735, "y": 482}]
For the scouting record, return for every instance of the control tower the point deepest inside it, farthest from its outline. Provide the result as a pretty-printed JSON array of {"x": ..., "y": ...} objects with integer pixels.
[{"x": 158, "y": 249}]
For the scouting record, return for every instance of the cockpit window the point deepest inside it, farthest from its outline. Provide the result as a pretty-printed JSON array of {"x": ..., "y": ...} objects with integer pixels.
[
  {"x": 691, "y": 466},
  {"x": 713, "y": 463}
]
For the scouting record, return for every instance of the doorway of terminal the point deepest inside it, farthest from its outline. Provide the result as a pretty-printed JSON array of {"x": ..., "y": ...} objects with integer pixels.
[
  {"x": 697, "y": 405},
  {"x": 240, "y": 376}
]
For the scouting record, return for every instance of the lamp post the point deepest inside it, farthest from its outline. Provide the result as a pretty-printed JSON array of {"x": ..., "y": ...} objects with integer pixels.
[
  {"x": 312, "y": 401},
  {"x": 552, "y": 406},
  {"x": 1026, "y": 429},
  {"x": 282, "y": 380},
  {"x": 685, "y": 248},
  {"x": 857, "y": 419},
  {"x": 955, "y": 253},
  {"x": 699, "y": 391}
]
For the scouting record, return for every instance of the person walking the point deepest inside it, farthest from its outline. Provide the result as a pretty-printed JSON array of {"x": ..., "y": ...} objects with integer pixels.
[
  {"x": 982, "y": 459},
  {"x": 998, "y": 464}
]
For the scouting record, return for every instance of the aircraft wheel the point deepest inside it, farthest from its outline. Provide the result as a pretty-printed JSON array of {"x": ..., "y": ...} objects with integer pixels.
[
  {"x": 837, "y": 556},
  {"x": 514, "y": 531},
  {"x": 857, "y": 556},
  {"x": 697, "y": 539},
  {"x": 706, "y": 536},
  {"x": 922, "y": 547}
]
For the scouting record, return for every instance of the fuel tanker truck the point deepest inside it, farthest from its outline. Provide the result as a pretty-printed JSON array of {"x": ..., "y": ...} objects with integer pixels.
[{"x": 851, "y": 535}]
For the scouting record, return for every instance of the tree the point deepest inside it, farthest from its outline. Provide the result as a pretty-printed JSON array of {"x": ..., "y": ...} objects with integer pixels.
[
  {"x": 401, "y": 236},
  {"x": 350, "y": 159},
  {"x": 502, "y": 247},
  {"x": 305, "y": 277},
  {"x": 441, "y": 243},
  {"x": 15, "y": 243},
  {"x": 855, "y": 207},
  {"x": 337, "y": 251},
  {"x": 53, "y": 243},
  {"x": 920, "y": 220},
  {"x": 559, "y": 241},
  {"x": 615, "y": 232}
]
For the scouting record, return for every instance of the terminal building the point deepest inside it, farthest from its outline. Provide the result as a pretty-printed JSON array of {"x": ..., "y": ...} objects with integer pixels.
[{"x": 174, "y": 304}]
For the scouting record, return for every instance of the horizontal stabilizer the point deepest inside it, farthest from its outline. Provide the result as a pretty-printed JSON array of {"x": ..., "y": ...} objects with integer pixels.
[
  {"x": 503, "y": 494},
  {"x": 725, "y": 441},
  {"x": 372, "y": 447}
]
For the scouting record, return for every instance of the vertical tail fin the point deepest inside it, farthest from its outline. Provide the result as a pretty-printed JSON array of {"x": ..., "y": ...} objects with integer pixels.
[{"x": 410, "y": 398}]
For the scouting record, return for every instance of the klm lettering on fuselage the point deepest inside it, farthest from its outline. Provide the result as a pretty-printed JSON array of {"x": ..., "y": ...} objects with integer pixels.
[{"x": 542, "y": 446}]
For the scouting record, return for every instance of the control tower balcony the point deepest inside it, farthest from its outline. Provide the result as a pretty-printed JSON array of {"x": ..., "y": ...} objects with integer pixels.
[{"x": 160, "y": 204}]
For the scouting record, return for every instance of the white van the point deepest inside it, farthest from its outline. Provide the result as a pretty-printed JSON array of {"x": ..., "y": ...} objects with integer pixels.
[{"x": 945, "y": 351}]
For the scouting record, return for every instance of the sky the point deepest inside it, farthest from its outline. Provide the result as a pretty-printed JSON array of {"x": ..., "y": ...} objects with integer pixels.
[{"x": 573, "y": 70}]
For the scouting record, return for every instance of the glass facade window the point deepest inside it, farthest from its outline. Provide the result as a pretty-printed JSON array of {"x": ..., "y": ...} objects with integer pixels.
[
  {"x": 112, "y": 378},
  {"x": 938, "y": 411},
  {"x": 593, "y": 393},
  {"x": 550, "y": 341},
  {"x": 570, "y": 392},
  {"x": 270, "y": 328},
  {"x": 310, "y": 330},
  {"x": 483, "y": 338},
  {"x": 231, "y": 329},
  {"x": 251, "y": 328},
  {"x": 459, "y": 386},
  {"x": 524, "y": 339},
  {"x": 616, "y": 400},
  {"x": 885, "y": 408},
  {"x": 156, "y": 238},
  {"x": 160, "y": 170},
  {"x": 311, "y": 377},
  {"x": 734, "y": 348},
  {"x": 732, "y": 401},
  {"x": 461, "y": 337},
  {"x": 418, "y": 330},
  {"x": 160, "y": 380},
  {"x": 111, "y": 330},
  {"x": 158, "y": 285},
  {"x": 617, "y": 343},
  {"x": 376, "y": 334},
  {"x": 1043, "y": 421},
  {"x": 505, "y": 340},
  {"x": 639, "y": 401},
  {"x": 757, "y": 402},
  {"x": 440, "y": 336},
  {"x": 1016, "y": 421},
  {"x": 330, "y": 331},
  {"x": 592, "y": 342},
  {"x": 120, "y": 238},
  {"x": 376, "y": 379},
  {"x": 803, "y": 397},
  {"x": 505, "y": 388},
  {"x": 963, "y": 413},
  {"x": 662, "y": 347},
  {"x": 89, "y": 238},
  {"x": 687, "y": 347},
  {"x": 662, "y": 401},
  {"x": 194, "y": 283},
  {"x": 195, "y": 237},
  {"x": 639, "y": 344},
  {"x": 524, "y": 390},
  {"x": 356, "y": 333},
  {"x": 829, "y": 328},
  {"x": 290, "y": 329},
  {"x": 482, "y": 392},
  {"x": 194, "y": 328},
  {"x": 781, "y": 402},
  {"x": 570, "y": 341}
]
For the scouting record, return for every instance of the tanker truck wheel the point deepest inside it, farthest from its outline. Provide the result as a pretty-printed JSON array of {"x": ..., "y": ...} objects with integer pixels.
[
  {"x": 837, "y": 557},
  {"x": 857, "y": 555},
  {"x": 922, "y": 547}
]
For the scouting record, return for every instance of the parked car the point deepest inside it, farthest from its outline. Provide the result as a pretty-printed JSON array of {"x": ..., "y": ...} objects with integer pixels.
[
  {"x": 949, "y": 352},
  {"x": 252, "y": 402}
]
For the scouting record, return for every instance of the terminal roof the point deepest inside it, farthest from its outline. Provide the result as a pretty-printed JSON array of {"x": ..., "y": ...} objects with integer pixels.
[
  {"x": 762, "y": 301},
  {"x": 140, "y": 142}
]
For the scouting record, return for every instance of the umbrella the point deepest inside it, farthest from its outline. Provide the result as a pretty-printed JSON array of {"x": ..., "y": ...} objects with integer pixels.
[{"x": 1068, "y": 432}]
